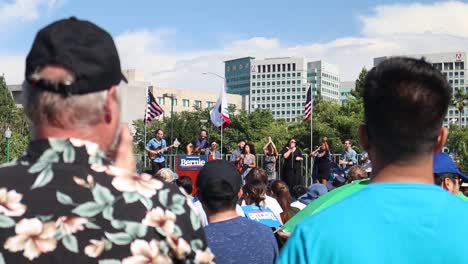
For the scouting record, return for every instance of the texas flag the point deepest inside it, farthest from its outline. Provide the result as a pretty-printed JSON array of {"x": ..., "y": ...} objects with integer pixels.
[{"x": 219, "y": 115}]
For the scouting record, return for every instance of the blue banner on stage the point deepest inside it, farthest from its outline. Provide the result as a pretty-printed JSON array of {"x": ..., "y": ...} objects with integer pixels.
[
  {"x": 261, "y": 214},
  {"x": 191, "y": 163}
]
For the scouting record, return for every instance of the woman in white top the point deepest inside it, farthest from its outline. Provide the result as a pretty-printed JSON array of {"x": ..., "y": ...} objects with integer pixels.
[{"x": 255, "y": 190}]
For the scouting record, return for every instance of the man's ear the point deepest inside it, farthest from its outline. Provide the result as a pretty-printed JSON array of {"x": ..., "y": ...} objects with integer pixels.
[
  {"x": 110, "y": 104},
  {"x": 446, "y": 183},
  {"x": 440, "y": 141},
  {"x": 363, "y": 137}
]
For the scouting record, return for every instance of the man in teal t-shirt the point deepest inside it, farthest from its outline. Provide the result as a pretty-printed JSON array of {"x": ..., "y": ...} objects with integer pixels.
[{"x": 401, "y": 216}]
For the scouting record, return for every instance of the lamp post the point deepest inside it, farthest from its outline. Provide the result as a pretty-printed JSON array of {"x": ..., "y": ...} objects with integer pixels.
[
  {"x": 215, "y": 74},
  {"x": 172, "y": 96},
  {"x": 8, "y": 137}
]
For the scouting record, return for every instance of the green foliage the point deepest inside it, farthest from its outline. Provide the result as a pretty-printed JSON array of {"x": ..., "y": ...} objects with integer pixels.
[
  {"x": 15, "y": 119},
  {"x": 459, "y": 100},
  {"x": 358, "y": 91},
  {"x": 329, "y": 120},
  {"x": 457, "y": 142}
]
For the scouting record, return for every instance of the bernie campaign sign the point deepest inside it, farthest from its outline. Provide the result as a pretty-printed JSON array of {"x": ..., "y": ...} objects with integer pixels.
[
  {"x": 188, "y": 162},
  {"x": 261, "y": 214}
]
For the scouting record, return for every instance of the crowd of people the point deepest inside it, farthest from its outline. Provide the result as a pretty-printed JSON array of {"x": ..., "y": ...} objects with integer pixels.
[
  {"x": 245, "y": 158},
  {"x": 75, "y": 196}
]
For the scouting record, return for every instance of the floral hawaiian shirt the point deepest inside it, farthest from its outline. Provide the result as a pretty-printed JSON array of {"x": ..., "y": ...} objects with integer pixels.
[{"x": 63, "y": 202}]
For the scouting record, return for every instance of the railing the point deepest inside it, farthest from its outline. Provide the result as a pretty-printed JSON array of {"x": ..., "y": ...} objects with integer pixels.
[{"x": 306, "y": 164}]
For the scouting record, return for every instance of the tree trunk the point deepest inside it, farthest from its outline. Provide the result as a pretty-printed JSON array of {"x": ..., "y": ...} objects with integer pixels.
[{"x": 460, "y": 116}]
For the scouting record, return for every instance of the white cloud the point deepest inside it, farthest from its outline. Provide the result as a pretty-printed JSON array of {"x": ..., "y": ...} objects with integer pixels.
[
  {"x": 389, "y": 30},
  {"x": 22, "y": 11},
  {"x": 445, "y": 18}
]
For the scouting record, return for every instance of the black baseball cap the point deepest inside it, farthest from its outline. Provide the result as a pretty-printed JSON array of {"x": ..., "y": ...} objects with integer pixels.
[
  {"x": 218, "y": 172},
  {"x": 83, "y": 48}
]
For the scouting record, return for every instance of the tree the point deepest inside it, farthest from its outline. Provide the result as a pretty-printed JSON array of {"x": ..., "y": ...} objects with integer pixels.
[
  {"x": 334, "y": 121},
  {"x": 457, "y": 143},
  {"x": 7, "y": 105},
  {"x": 358, "y": 91},
  {"x": 459, "y": 101},
  {"x": 15, "y": 119}
]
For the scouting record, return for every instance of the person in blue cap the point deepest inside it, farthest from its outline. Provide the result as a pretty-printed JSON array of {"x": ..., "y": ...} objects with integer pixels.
[{"x": 447, "y": 175}]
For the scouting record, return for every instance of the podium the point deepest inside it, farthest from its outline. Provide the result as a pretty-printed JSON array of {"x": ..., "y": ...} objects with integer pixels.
[{"x": 190, "y": 165}]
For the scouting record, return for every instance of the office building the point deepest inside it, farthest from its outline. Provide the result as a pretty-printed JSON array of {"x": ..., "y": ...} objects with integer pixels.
[
  {"x": 325, "y": 80},
  {"x": 345, "y": 90},
  {"x": 280, "y": 84}
]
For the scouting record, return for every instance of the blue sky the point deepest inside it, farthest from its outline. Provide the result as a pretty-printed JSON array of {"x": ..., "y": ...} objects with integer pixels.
[
  {"x": 207, "y": 24},
  {"x": 183, "y": 36}
]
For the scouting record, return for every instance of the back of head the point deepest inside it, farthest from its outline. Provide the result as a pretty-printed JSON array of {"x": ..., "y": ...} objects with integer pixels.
[
  {"x": 166, "y": 175},
  {"x": 356, "y": 173},
  {"x": 281, "y": 192},
  {"x": 257, "y": 174},
  {"x": 297, "y": 191},
  {"x": 71, "y": 63},
  {"x": 185, "y": 182},
  {"x": 254, "y": 192},
  {"x": 218, "y": 185},
  {"x": 405, "y": 101}
]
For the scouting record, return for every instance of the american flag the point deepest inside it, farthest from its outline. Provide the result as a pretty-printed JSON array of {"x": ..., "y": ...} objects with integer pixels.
[
  {"x": 308, "y": 105},
  {"x": 153, "y": 109}
]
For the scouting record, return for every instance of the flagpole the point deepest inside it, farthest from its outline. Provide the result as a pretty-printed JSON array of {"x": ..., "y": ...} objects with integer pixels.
[
  {"x": 222, "y": 119},
  {"x": 144, "y": 152},
  {"x": 311, "y": 109},
  {"x": 144, "y": 121},
  {"x": 311, "y": 131},
  {"x": 222, "y": 125}
]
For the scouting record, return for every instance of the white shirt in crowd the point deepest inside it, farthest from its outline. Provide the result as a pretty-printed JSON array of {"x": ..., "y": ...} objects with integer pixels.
[
  {"x": 271, "y": 204},
  {"x": 298, "y": 205}
]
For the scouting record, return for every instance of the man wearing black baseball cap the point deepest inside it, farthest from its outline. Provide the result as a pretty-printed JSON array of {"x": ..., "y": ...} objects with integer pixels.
[
  {"x": 233, "y": 239},
  {"x": 65, "y": 199}
]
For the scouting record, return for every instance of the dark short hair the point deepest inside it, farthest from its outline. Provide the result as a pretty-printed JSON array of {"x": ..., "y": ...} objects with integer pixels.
[
  {"x": 405, "y": 101},
  {"x": 439, "y": 177},
  {"x": 298, "y": 190},
  {"x": 157, "y": 130},
  {"x": 185, "y": 182},
  {"x": 206, "y": 131},
  {"x": 349, "y": 140}
]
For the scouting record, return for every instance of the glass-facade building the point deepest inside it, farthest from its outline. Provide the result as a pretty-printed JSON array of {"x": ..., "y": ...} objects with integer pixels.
[
  {"x": 237, "y": 74},
  {"x": 280, "y": 84}
]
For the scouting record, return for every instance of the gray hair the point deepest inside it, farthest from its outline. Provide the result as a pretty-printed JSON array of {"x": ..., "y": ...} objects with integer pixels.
[
  {"x": 166, "y": 175},
  {"x": 49, "y": 108}
]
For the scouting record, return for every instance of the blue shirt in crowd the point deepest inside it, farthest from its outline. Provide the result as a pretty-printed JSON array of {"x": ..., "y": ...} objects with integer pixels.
[
  {"x": 385, "y": 223},
  {"x": 154, "y": 144},
  {"x": 350, "y": 155},
  {"x": 240, "y": 240}
]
